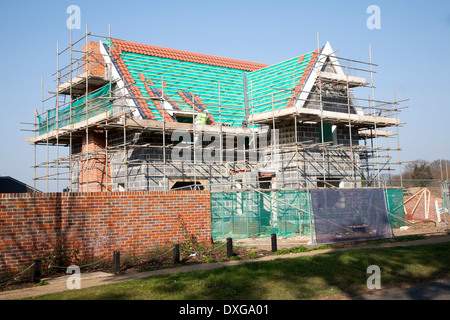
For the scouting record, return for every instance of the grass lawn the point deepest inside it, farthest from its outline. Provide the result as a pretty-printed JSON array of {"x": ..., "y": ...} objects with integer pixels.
[{"x": 332, "y": 275}]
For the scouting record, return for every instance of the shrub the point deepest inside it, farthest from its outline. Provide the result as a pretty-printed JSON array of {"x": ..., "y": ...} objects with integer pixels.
[{"x": 61, "y": 254}]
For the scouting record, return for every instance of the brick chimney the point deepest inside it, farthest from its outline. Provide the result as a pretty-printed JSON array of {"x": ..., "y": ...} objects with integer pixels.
[
  {"x": 95, "y": 171},
  {"x": 95, "y": 62}
]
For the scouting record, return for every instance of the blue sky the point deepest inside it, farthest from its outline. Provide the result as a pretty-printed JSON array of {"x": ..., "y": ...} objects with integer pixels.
[{"x": 412, "y": 48}]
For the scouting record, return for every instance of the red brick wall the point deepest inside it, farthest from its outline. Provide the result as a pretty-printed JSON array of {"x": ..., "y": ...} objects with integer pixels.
[{"x": 132, "y": 222}]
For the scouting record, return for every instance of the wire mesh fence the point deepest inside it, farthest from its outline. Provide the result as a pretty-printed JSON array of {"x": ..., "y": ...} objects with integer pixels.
[{"x": 354, "y": 214}]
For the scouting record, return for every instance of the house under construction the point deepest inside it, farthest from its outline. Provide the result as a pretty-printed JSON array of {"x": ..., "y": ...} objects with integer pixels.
[{"x": 138, "y": 117}]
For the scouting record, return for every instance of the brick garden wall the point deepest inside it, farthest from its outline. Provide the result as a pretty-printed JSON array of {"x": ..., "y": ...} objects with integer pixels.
[{"x": 132, "y": 222}]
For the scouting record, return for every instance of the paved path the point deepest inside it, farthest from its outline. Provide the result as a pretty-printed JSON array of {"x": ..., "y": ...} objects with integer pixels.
[
  {"x": 435, "y": 290},
  {"x": 90, "y": 280}
]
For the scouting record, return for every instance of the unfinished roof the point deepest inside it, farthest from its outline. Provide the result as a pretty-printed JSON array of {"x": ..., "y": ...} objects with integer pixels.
[
  {"x": 229, "y": 89},
  {"x": 174, "y": 86}
]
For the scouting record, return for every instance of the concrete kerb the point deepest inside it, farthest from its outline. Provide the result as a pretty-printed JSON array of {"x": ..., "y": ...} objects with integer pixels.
[{"x": 99, "y": 278}]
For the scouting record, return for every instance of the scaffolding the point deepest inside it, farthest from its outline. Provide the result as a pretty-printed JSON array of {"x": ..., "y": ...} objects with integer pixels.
[{"x": 85, "y": 103}]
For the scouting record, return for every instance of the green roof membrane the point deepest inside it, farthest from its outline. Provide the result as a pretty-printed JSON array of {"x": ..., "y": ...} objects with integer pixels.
[
  {"x": 201, "y": 80},
  {"x": 268, "y": 88}
]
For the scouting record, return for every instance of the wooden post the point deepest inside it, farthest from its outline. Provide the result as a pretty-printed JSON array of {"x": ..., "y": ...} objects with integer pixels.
[{"x": 417, "y": 203}]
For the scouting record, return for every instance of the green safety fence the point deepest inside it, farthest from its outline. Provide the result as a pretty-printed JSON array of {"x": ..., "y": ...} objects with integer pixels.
[
  {"x": 250, "y": 214},
  {"x": 259, "y": 214},
  {"x": 395, "y": 206},
  {"x": 76, "y": 111}
]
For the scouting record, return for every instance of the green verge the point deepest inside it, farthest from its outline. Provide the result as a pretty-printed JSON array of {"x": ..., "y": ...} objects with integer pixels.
[{"x": 332, "y": 275}]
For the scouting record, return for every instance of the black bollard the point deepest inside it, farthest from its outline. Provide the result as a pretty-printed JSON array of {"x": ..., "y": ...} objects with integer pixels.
[
  {"x": 176, "y": 253},
  {"x": 229, "y": 247},
  {"x": 116, "y": 261},
  {"x": 274, "y": 242},
  {"x": 37, "y": 271}
]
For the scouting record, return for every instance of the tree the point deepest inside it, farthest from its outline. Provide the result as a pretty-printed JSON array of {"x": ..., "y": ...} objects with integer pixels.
[
  {"x": 415, "y": 173},
  {"x": 421, "y": 173},
  {"x": 440, "y": 169}
]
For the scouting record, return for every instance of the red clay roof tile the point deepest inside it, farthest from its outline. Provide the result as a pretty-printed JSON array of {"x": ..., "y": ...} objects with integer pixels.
[{"x": 121, "y": 45}]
